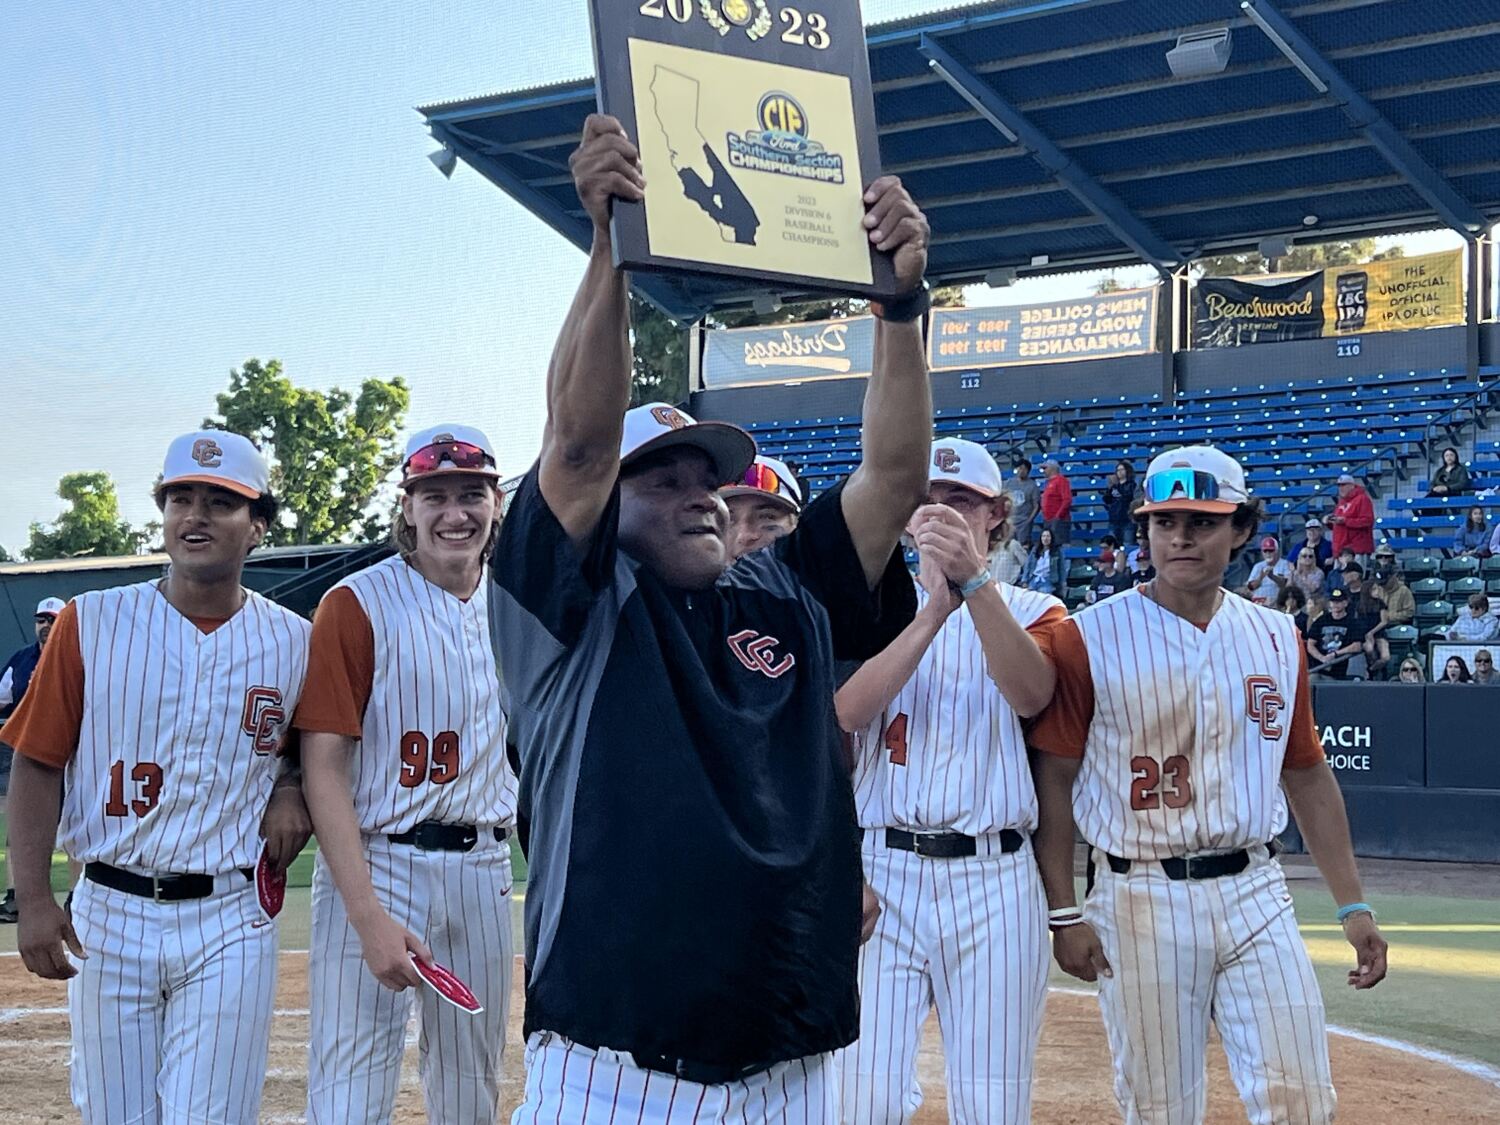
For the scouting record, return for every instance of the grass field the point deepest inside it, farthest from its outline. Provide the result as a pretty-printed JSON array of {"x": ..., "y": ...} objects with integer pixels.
[{"x": 1443, "y": 991}]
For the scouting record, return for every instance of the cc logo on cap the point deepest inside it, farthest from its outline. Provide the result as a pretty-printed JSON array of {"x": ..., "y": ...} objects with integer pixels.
[
  {"x": 945, "y": 459},
  {"x": 207, "y": 453},
  {"x": 669, "y": 416}
]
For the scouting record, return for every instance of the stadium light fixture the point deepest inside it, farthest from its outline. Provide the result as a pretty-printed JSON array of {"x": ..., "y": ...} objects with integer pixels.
[
  {"x": 444, "y": 160},
  {"x": 1201, "y": 52}
]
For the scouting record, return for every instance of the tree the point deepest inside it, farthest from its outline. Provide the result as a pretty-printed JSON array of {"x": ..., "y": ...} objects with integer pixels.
[
  {"x": 1300, "y": 259},
  {"x": 660, "y": 344},
  {"x": 330, "y": 451},
  {"x": 90, "y": 527},
  {"x": 5, "y": 555},
  {"x": 1106, "y": 285}
]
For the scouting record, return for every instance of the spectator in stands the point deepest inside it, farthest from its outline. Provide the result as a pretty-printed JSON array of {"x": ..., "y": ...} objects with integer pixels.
[
  {"x": 1316, "y": 539},
  {"x": 1451, "y": 478},
  {"x": 1057, "y": 503},
  {"x": 1472, "y": 540},
  {"x": 1478, "y": 626},
  {"x": 1456, "y": 672},
  {"x": 1397, "y": 604},
  {"x": 1411, "y": 671},
  {"x": 1118, "y": 495},
  {"x": 1141, "y": 570},
  {"x": 1336, "y": 572},
  {"x": 1293, "y": 602},
  {"x": 1108, "y": 547},
  {"x": 1044, "y": 569},
  {"x": 1270, "y": 575},
  {"x": 1317, "y": 606},
  {"x": 1237, "y": 574},
  {"x": 1335, "y": 639},
  {"x": 1484, "y": 669},
  {"x": 1109, "y": 580},
  {"x": 1025, "y": 501},
  {"x": 1007, "y": 556},
  {"x": 1353, "y": 520},
  {"x": 1307, "y": 575}
]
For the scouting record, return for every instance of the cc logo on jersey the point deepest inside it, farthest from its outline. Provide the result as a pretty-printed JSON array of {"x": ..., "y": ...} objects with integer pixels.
[
  {"x": 755, "y": 652},
  {"x": 945, "y": 459},
  {"x": 262, "y": 718},
  {"x": 1264, "y": 704}
]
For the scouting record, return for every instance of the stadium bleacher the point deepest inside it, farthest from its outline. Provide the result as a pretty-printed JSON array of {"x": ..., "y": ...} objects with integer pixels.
[{"x": 1294, "y": 440}]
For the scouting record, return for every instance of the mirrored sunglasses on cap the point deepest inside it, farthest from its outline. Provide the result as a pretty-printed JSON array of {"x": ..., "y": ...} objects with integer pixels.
[
  {"x": 458, "y": 455},
  {"x": 1181, "y": 484},
  {"x": 764, "y": 479}
]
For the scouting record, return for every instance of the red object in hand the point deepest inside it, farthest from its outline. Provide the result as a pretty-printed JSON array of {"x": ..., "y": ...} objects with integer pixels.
[
  {"x": 448, "y": 986},
  {"x": 270, "y": 886}
]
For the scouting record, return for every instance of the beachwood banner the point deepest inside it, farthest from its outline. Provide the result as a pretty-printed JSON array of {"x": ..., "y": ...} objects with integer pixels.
[
  {"x": 1422, "y": 292},
  {"x": 1112, "y": 324},
  {"x": 816, "y": 349},
  {"x": 1230, "y": 311}
]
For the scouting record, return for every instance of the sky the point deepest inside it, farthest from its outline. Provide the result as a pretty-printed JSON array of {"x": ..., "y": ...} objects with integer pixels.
[{"x": 189, "y": 186}]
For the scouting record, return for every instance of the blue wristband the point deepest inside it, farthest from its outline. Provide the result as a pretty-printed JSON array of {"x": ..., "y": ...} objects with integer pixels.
[
  {"x": 979, "y": 581},
  {"x": 1355, "y": 908}
]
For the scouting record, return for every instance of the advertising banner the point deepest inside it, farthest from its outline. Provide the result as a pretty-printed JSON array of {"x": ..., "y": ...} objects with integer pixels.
[
  {"x": 1231, "y": 311},
  {"x": 785, "y": 352},
  {"x": 1422, "y": 292},
  {"x": 1112, "y": 324},
  {"x": 1372, "y": 734}
]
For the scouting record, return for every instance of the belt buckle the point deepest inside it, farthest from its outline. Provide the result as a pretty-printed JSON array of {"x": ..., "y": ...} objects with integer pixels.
[
  {"x": 916, "y": 844},
  {"x": 1197, "y": 866},
  {"x": 156, "y": 889}
]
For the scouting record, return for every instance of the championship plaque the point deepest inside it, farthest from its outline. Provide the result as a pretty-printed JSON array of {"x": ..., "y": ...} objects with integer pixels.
[{"x": 756, "y": 129}]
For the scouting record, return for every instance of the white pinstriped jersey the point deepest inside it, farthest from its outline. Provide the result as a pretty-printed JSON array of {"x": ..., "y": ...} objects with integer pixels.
[
  {"x": 177, "y": 748},
  {"x": 948, "y": 752},
  {"x": 1189, "y": 732},
  {"x": 433, "y": 745}
]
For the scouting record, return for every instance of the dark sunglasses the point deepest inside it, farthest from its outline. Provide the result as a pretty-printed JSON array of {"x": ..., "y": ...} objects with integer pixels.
[
  {"x": 762, "y": 477},
  {"x": 1483, "y": 660},
  {"x": 1181, "y": 484},
  {"x": 458, "y": 454}
]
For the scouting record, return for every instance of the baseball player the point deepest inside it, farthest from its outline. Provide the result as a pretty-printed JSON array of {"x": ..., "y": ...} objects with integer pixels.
[
  {"x": 693, "y": 910},
  {"x": 14, "y": 678},
  {"x": 161, "y": 706},
  {"x": 413, "y": 801},
  {"x": 763, "y": 506},
  {"x": 944, "y": 796},
  {"x": 1181, "y": 716}
]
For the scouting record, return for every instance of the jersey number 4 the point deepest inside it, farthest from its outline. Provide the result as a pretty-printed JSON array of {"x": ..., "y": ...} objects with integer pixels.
[
  {"x": 1160, "y": 783},
  {"x": 146, "y": 778},
  {"x": 434, "y": 760},
  {"x": 895, "y": 740}
]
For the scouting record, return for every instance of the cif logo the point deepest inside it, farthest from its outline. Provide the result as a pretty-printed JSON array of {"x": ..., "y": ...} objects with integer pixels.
[{"x": 781, "y": 113}]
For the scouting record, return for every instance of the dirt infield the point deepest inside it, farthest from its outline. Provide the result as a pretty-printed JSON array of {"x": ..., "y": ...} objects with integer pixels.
[{"x": 1376, "y": 1084}]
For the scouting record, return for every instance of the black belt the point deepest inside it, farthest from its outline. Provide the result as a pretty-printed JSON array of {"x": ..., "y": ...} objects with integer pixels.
[
  {"x": 431, "y": 836},
  {"x": 162, "y": 888},
  {"x": 947, "y": 845},
  {"x": 704, "y": 1074},
  {"x": 1190, "y": 867}
]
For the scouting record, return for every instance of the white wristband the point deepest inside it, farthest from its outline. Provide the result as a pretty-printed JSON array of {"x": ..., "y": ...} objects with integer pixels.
[{"x": 1064, "y": 912}]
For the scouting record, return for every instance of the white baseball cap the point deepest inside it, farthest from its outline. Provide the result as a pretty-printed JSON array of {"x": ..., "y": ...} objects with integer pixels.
[
  {"x": 967, "y": 463},
  {"x": 1194, "y": 478},
  {"x": 1347, "y": 478},
  {"x": 448, "y": 448},
  {"x": 49, "y": 607},
  {"x": 768, "y": 477},
  {"x": 660, "y": 425},
  {"x": 217, "y": 457},
  {"x": 1313, "y": 521}
]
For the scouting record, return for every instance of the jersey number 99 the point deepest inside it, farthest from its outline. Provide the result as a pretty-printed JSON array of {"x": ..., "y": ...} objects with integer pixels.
[{"x": 434, "y": 760}]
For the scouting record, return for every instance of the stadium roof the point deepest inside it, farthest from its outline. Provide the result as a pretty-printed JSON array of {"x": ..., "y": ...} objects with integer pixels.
[{"x": 1117, "y": 161}]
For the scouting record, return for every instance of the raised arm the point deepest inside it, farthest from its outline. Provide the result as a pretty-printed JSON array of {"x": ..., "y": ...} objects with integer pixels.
[
  {"x": 588, "y": 381},
  {"x": 897, "y": 433}
]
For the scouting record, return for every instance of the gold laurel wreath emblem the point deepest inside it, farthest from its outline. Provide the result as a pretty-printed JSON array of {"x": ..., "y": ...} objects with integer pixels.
[{"x": 740, "y": 14}]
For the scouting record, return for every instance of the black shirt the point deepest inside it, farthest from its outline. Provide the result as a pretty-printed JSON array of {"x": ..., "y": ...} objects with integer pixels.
[
  {"x": 1329, "y": 634},
  {"x": 1108, "y": 585},
  {"x": 694, "y": 887}
]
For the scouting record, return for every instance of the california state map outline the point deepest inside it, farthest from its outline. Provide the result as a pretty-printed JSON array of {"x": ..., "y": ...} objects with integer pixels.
[{"x": 719, "y": 196}]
